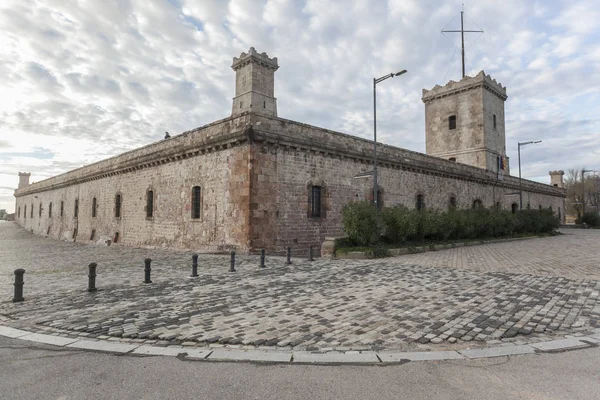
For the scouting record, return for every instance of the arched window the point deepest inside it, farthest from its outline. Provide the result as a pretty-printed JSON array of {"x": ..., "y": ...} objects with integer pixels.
[
  {"x": 149, "y": 204},
  {"x": 118, "y": 202},
  {"x": 315, "y": 201},
  {"x": 514, "y": 207},
  {"x": 452, "y": 203},
  {"x": 477, "y": 203},
  {"x": 420, "y": 203},
  {"x": 196, "y": 202},
  {"x": 94, "y": 204}
]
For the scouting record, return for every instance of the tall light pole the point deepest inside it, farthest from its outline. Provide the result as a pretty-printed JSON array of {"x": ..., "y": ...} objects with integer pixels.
[
  {"x": 375, "y": 82},
  {"x": 519, "y": 150},
  {"x": 583, "y": 171}
]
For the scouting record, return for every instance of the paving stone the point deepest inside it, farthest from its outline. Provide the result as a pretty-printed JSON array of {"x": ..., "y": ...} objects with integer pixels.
[
  {"x": 334, "y": 358},
  {"x": 419, "y": 356},
  {"x": 562, "y": 344},
  {"x": 251, "y": 355},
  {"x": 48, "y": 339},
  {"x": 103, "y": 346}
]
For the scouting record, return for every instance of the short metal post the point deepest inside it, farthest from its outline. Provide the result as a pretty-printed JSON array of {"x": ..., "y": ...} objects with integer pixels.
[
  {"x": 289, "y": 255},
  {"x": 232, "y": 264},
  {"x": 262, "y": 258},
  {"x": 147, "y": 270},
  {"x": 310, "y": 253},
  {"x": 18, "y": 285},
  {"x": 92, "y": 277},
  {"x": 194, "y": 265}
]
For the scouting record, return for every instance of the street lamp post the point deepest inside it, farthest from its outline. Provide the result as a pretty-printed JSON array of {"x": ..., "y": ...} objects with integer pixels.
[
  {"x": 520, "y": 187},
  {"x": 375, "y": 82}
]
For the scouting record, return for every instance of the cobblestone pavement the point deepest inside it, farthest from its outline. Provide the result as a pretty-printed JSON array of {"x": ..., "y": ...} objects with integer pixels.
[{"x": 495, "y": 293}]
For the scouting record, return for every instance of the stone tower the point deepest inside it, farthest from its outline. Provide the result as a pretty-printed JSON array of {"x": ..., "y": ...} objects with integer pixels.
[
  {"x": 255, "y": 83},
  {"x": 464, "y": 122},
  {"x": 556, "y": 178},
  {"x": 23, "y": 179}
]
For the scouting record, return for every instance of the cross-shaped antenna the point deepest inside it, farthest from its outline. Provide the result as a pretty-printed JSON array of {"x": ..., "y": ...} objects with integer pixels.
[{"x": 462, "y": 38}]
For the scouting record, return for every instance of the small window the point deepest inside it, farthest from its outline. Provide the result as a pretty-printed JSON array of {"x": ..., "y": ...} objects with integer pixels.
[
  {"x": 149, "y": 203},
  {"x": 264, "y": 104},
  {"x": 420, "y": 205},
  {"x": 118, "y": 206},
  {"x": 40, "y": 212},
  {"x": 25, "y": 213},
  {"x": 315, "y": 201},
  {"x": 514, "y": 207},
  {"x": 94, "y": 204},
  {"x": 556, "y": 185},
  {"x": 31, "y": 212},
  {"x": 452, "y": 203},
  {"x": 50, "y": 210},
  {"x": 452, "y": 122},
  {"x": 19, "y": 212},
  {"x": 494, "y": 119},
  {"x": 477, "y": 203},
  {"x": 453, "y": 159},
  {"x": 116, "y": 238},
  {"x": 93, "y": 234},
  {"x": 76, "y": 208},
  {"x": 196, "y": 202},
  {"x": 240, "y": 105},
  {"x": 62, "y": 208}
]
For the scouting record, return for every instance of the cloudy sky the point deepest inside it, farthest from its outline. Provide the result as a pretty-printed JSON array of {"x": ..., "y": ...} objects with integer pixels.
[{"x": 85, "y": 80}]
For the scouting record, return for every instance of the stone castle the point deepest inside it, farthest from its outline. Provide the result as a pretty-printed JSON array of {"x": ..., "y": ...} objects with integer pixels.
[{"x": 254, "y": 180}]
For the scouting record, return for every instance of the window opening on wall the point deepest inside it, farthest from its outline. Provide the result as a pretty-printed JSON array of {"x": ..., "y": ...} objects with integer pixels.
[
  {"x": 453, "y": 159},
  {"x": 452, "y": 203},
  {"x": 494, "y": 119},
  {"x": 477, "y": 203},
  {"x": 50, "y": 210},
  {"x": 264, "y": 104},
  {"x": 76, "y": 210},
  {"x": 116, "y": 237},
  {"x": 514, "y": 207},
  {"x": 118, "y": 206},
  {"x": 19, "y": 212},
  {"x": 25, "y": 213},
  {"x": 315, "y": 201},
  {"x": 94, "y": 204},
  {"x": 31, "y": 212},
  {"x": 196, "y": 199},
  {"x": 93, "y": 234},
  {"x": 420, "y": 205},
  {"x": 40, "y": 212},
  {"x": 62, "y": 208},
  {"x": 452, "y": 122},
  {"x": 149, "y": 203}
]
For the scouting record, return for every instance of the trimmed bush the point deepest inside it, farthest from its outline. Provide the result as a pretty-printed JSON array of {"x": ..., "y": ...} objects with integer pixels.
[
  {"x": 591, "y": 218},
  {"x": 361, "y": 223}
]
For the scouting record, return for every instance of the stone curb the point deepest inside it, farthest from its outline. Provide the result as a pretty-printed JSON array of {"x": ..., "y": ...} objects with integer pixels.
[{"x": 384, "y": 357}]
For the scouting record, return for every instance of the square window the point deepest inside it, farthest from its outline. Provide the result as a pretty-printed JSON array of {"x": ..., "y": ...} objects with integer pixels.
[{"x": 452, "y": 122}]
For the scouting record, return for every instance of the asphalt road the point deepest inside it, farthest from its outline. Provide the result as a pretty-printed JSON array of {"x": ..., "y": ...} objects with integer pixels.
[{"x": 32, "y": 371}]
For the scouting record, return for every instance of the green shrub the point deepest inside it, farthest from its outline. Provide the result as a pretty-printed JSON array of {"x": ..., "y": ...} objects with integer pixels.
[
  {"x": 361, "y": 223},
  {"x": 591, "y": 218},
  {"x": 397, "y": 224}
]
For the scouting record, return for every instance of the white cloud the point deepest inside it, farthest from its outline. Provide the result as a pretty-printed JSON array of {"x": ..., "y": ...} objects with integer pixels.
[{"x": 87, "y": 80}]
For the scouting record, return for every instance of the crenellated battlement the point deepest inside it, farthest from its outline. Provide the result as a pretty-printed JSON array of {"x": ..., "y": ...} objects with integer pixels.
[
  {"x": 254, "y": 56},
  {"x": 466, "y": 83}
]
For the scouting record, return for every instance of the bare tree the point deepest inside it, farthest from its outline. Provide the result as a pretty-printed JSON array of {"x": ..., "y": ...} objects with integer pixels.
[{"x": 574, "y": 187}]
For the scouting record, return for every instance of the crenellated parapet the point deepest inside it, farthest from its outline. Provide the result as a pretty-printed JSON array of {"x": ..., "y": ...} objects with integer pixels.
[
  {"x": 254, "y": 56},
  {"x": 466, "y": 83}
]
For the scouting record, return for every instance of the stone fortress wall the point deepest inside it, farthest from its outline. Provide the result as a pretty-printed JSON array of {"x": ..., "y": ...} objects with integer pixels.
[{"x": 255, "y": 171}]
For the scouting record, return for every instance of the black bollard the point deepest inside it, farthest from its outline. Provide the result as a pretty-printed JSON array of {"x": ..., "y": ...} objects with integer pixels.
[
  {"x": 18, "y": 285},
  {"x": 194, "y": 265},
  {"x": 289, "y": 255},
  {"x": 310, "y": 253},
  {"x": 147, "y": 270},
  {"x": 262, "y": 258},
  {"x": 232, "y": 265},
  {"x": 92, "y": 277}
]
